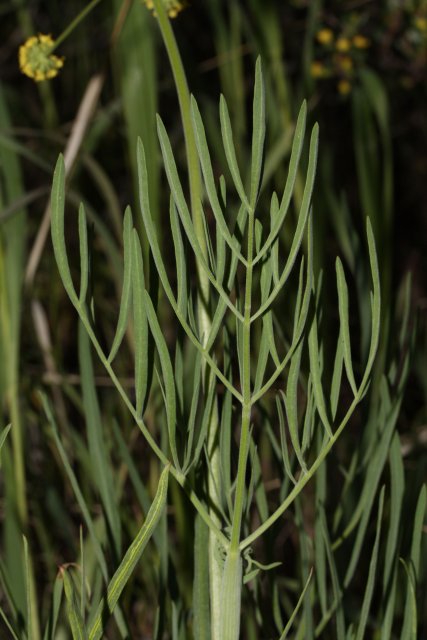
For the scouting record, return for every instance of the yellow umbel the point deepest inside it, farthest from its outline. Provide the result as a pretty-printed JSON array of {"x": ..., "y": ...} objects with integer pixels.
[
  {"x": 36, "y": 59},
  {"x": 173, "y": 7}
]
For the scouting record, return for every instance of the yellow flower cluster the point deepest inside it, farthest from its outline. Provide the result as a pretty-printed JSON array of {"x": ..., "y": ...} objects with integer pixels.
[
  {"x": 361, "y": 42},
  {"x": 343, "y": 44},
  {"x": 421, "y": 23},
  {"x": 36, "y": 60},
  {"x": 318, "y": 70},
  {"x": 339, "y": 57},
  {"x": 325, "y": 36},
  {"x": 173, "y": 7}
]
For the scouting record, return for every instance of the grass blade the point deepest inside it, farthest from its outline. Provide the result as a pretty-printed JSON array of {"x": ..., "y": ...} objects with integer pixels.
[
  {"x": 102, "y": 476},
  {"x": 297, "y": 607},
  {"x": 74, "y": 617},
  {"x": 372, "y": 573},
  {"x": 131, "y": 558}
]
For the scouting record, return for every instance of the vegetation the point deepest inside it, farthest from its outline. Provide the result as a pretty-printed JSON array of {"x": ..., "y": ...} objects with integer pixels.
[{"x": 223, "y": 435}]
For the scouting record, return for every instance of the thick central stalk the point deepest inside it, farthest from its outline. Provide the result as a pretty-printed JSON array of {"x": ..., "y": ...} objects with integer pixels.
[
  {"x": 232, "y": 575},
  {"x": 246, "y": 393}
]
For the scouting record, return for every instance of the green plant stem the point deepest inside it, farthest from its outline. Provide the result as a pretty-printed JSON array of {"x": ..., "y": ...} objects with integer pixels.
[
  {"x": 306, "y": 477},
  {"x": 214, "y": 477},
  {"x": 73, "y": 24},
  {"x": 246, "y": 392},
  {"x": 232, "y": 580},
  {"x": 147, "y": 435}
]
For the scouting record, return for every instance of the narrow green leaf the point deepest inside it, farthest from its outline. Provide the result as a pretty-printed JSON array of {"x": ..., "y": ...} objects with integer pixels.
[
  {"x": 258, "y": 132},
  {"x": 29, "y": 598},
  {"x": 310, "y": 419},
  {"x": 148, "y": 223},
  {"x": 140, "y": 325},
  {"x": 193, "y": 411},
  {"x": 221, "y": 258},
  {"x": 178, "y": 194},
  {"x": 299, "y": 330},
  {"x": 409, "y": 627},
  {"x": 221, "y": 308},
  {"x": 102, "y": 477},
  {"x": 390, "y": 608},
  {"x": 315, "y": 370},
  {"x": 337, "y": 607},
  {"x": 127, "y": 286},
  {"x": 280, "y": 212},
  {"x": 161, "y": 270},
  {"x": 223, "y": 189},
  {"x": 83, "y": 575},
  {"x": 344, "y": 324},
  {"x": 372, "y": 478},
  {"x": 209, "y": 245},
  {"x": 206, "y": 419},
  {"x": 262, "y": 357},
  {"x": 375, "y": 305},
  {"x": 76, "y": 489},
  {"x": 283, "y": 443},
  {"x": 208, "y": 176},
  {"x": 57, "y": 229},
  {"x": 291, "y": 404},
  {"x": 168, "y": 377},
  {"x": 84, "y": 255},
  {"x": 74, "y": 618},
  {"x": 266, "y": 269},
  {"x": 131, "y": 558},
  {"x": 260, "y": 499},
  {"x": 299, "y": 298},
  {"x": 181, "y": 267},
  {"x": 225, "y": 448},
  {"x": 8, "y": 625},
  {"x": 201, "y": 603},
  {"x": 367, "y": 599},
  {"x": 141, "y": 491},
  {"x": 319, "y": 543},
  {"x": 230, "y": 152},
  {"x": 56, "y": 601},
  {"x": 397, "y": 481},
  {"x": 3, "y": 437},
  {"x": 337, "y": 376},
  {"x": 304, "y": 215},
  {"x": 297, "y": 607}
]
